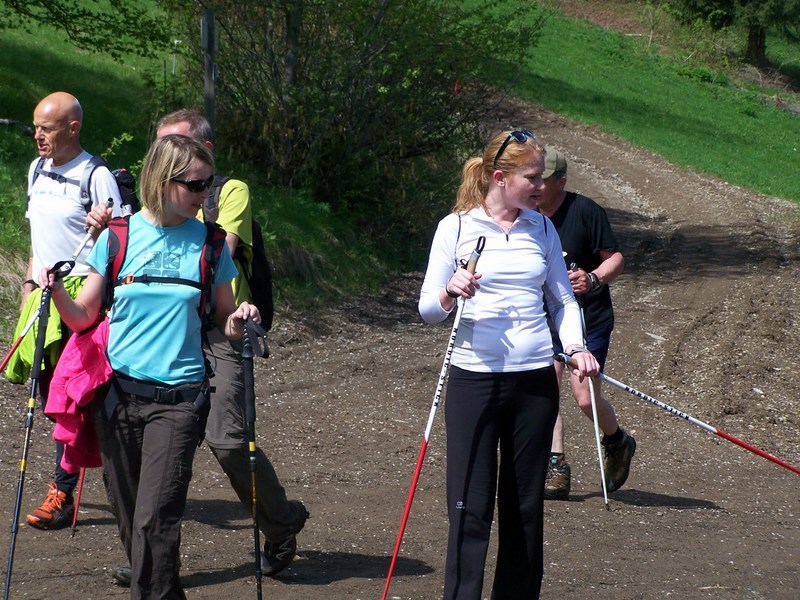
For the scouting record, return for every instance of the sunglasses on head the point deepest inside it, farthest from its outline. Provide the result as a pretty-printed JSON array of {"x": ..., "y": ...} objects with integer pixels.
[
  {"x": 195, "y": 185},
  {"x": 519, "y": 136}
]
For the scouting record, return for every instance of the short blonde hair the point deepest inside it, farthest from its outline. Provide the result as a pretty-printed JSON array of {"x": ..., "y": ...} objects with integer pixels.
[{"x": 168, "y": 157}]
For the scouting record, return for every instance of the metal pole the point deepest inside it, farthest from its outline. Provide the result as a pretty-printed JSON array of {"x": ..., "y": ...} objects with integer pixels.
[
  {"x": 36, "y": 372},
  {"x": 253, "y": 335},
  {"x": 429, "y": 426},
  {"x": 678, "y": 413}
]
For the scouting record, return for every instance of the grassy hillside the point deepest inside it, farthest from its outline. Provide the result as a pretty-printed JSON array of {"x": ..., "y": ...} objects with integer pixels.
[{"x": 702, "y": 116}]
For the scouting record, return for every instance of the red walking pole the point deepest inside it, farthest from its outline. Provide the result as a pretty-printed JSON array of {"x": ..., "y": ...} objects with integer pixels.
[
  {"x": 18, "y": 341},
  {"x": 473, "y": 261},
  {"x": 77, "y": 502}
]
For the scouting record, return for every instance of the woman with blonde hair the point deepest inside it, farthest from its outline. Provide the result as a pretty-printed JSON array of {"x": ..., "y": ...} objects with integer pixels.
[
  {"x": 151, "y": 419},
  {"x": 502, "y": 390}
]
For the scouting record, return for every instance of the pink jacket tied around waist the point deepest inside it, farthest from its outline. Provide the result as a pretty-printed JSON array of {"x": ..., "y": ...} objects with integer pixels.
[{"x": 81, "y": 370}]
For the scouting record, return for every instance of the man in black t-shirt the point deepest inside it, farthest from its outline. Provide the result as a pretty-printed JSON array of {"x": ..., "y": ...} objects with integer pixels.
[{"x": 594, "y": 261}]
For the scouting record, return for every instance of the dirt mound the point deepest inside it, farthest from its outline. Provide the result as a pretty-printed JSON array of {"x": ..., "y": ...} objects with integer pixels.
[{"x": 705, "y": 322}]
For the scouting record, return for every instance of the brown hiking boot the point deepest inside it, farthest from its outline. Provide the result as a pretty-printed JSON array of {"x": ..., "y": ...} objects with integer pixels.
[
  {"x": 557, "y": 484},
  {"x": 617, "y": 461},
  {"x": 55, "y": 512}
]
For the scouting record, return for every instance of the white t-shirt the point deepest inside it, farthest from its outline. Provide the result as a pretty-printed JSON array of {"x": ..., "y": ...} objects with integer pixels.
[{"x": 57, "y": 215}]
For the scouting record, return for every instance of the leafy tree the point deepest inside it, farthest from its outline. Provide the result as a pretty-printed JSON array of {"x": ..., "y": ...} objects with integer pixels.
[
  {"x": 755, "y": 16},
  {"x": 356, "y": 100},
  {"x": 114, "y": 27}
]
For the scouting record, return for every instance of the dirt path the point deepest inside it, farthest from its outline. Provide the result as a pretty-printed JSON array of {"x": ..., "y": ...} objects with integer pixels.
[{"x": 705, "y": 322}]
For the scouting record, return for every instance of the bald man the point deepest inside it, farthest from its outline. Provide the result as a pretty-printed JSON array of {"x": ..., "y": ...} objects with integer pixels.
[{"x": 57, "y": 216}]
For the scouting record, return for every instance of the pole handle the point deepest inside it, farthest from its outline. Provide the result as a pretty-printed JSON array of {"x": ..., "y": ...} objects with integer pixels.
[
  {"x": 254, "y": 340},
  {"x": 472, "y": 263},
  {"x": 566, "y": 359}
]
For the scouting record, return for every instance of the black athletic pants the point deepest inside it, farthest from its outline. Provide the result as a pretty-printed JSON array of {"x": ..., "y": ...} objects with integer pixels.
[{"x": 515, "y": 411}]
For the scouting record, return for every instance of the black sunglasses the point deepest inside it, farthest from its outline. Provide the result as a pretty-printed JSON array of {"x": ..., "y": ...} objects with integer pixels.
[
  {"x": 195, "y": 185},
  {"x": 519, "y": 136}
]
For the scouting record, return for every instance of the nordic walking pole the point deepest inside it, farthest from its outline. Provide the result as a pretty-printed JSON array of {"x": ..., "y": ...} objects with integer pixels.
[
  {"x": 684, "y": 416},
  {"x": 597, "y": 440},
  {"x": 77, "y": 502},
  {"x": 471, "y": 264},
  {"x": 253, "y": 334},
  {"x": 36, "y": 368},
  {"x": 593, "y": 399},
  {"x": 61, "y": 269}
]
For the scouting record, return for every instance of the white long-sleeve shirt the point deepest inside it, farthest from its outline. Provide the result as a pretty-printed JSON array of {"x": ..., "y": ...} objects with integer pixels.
[{"x": 503, "y": 328}]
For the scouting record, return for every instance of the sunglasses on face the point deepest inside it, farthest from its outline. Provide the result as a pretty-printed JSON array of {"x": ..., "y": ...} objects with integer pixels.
[
  {"x": 519, "y": 136},
  {"x": 195, "y": 185}
]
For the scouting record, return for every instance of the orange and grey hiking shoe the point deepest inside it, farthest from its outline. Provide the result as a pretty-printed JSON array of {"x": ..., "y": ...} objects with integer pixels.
[{"x": 55, "y": 512}]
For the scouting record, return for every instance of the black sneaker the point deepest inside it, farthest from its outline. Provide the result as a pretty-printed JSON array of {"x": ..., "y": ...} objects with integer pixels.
[
  {"x": 122, "y": 576},
  {"x": 557, "y": 484},
  {"x": 617, "y": 461},
  {"x": 276, "y": 557}
]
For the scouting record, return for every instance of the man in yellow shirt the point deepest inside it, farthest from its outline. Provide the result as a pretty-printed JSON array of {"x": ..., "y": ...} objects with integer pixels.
[{"x": 226, "y": 432}]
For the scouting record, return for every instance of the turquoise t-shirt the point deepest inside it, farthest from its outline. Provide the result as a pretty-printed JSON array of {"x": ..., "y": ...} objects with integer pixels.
[{"x": 155, "y": 328}]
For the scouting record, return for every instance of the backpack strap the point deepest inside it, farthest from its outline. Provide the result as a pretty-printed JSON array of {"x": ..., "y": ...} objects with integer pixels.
[
  {"x": 83, "y": 184},
  {"x": 209, "y": 261},
  {"x": 119, "y": 230},
  {"x": 117, "y": 249},
  {"x": 211, "y": 203},
  {"x": 40, "y": 170},
  {"x": 86, "y": 178}
]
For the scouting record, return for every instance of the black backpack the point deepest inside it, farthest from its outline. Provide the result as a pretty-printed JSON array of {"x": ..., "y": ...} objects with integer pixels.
[
  {"x": 259, "y": 272},
  {"x": 126, "y": 184}
]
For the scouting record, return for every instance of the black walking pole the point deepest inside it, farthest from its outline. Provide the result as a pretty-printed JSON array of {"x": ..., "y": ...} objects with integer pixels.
[
  {"x": 36, "y": 371},
  {"x": 253, "y": 336},
  {"x": 60, "y": 269}
]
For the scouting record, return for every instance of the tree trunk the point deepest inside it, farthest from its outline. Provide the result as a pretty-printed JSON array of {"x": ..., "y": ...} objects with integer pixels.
[{"x": 756, "y": 53}]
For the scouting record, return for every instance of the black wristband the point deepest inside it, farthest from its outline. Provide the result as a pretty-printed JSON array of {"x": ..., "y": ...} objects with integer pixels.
[
  {"x": 593, "y": 280},
  {"x": 31, "y": 281},
  {"x": 576, "y": 349},
  {"x": 451, "y": 294}
]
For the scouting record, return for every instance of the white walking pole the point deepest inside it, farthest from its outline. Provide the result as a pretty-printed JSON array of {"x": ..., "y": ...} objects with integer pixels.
[{"x": 473, "y": 261}]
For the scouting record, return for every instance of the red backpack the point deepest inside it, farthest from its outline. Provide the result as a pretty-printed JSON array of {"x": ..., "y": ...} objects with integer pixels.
[{"x": 118, "y": 229}]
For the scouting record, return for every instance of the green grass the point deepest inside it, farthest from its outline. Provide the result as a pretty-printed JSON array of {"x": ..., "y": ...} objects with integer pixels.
[
  {"x": 689, "y": 114},
  {"x": 113, "y": 95}
]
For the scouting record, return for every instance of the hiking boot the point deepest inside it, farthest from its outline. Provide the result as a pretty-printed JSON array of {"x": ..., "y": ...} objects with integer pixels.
[
  {"x": 122, "y": 576},
  {"x": 617, "y": 461},
  {"x": 56, "y": 511},
  {"x": 557, "y": 484},
  {"x": 276, "y": 557}
]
